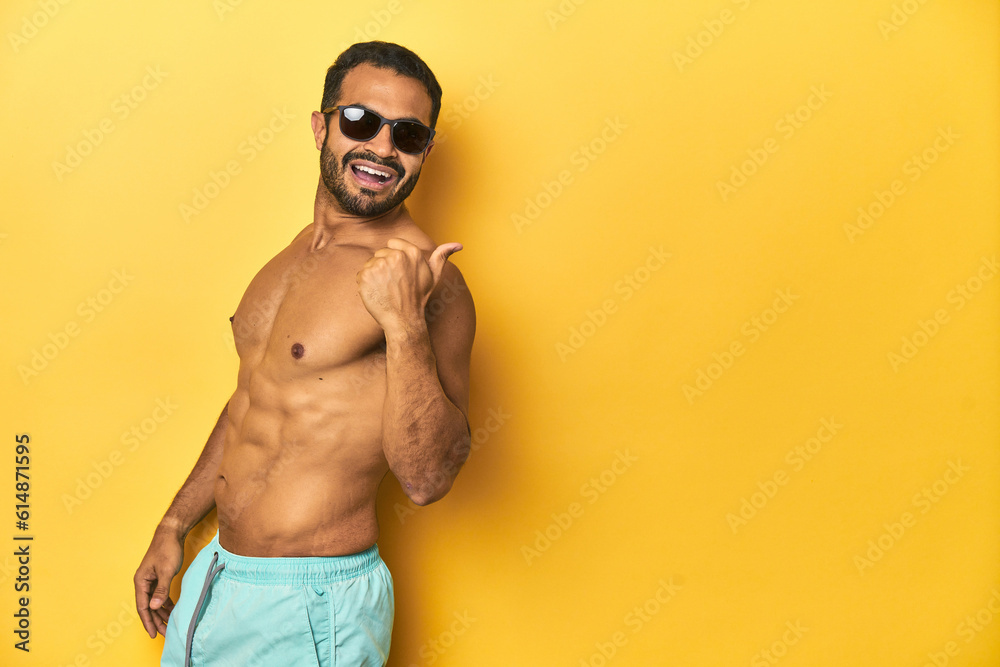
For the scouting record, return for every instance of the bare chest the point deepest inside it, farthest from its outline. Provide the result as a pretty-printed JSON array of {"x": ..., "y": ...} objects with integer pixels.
[{"x": 302, "y": 312}]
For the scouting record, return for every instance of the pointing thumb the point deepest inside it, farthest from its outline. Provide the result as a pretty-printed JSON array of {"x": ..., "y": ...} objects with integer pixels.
[{"x": 440, "y": 256}]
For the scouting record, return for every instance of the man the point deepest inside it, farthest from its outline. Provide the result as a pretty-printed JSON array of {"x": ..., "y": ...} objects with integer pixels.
[{"x": 354, "y": 346}]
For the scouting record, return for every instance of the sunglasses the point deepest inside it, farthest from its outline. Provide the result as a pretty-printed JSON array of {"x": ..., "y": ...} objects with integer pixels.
[{"x": 360, "y": 124}]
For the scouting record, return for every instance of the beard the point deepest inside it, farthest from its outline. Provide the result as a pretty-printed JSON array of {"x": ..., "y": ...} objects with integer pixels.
[{"x": 367, "y": 203}]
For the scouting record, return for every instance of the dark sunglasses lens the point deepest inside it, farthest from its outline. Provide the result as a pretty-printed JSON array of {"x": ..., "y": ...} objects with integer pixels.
[
  {"x": 410, "y": 137},
  {"x": 358, "y": 124}
]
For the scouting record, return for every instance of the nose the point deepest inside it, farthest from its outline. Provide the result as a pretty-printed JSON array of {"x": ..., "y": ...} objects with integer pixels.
[{"x": 381, "y": 143}]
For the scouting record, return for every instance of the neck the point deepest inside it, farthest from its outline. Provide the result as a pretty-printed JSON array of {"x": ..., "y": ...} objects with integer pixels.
[{"x": 331, "y": 221}]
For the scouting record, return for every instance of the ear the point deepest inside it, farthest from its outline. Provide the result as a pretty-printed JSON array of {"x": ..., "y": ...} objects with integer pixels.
[
  {"x": 427, "y": 151},
  {"x": 318, "y": 121}
]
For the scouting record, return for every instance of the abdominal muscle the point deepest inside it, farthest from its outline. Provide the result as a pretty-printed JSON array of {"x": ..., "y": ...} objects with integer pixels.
[{"x": 302, "y": 461}]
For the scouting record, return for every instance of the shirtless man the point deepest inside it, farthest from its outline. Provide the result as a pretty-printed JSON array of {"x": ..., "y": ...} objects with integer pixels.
[{"x": 354, "y": 346}]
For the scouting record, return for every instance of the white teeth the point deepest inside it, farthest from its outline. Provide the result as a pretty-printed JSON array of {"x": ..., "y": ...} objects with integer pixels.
[{"x": 371, "y": 171}]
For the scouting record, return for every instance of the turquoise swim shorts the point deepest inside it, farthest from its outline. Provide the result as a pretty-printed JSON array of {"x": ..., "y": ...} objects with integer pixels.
[{"x": 313, "y": 611}]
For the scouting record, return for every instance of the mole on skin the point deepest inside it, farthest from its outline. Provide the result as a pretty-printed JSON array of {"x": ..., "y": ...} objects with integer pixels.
[{"x": 298, "y": 350}]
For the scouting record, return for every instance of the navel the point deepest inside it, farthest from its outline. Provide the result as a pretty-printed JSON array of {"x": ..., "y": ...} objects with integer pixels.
[{"x": 298, "y": 350}]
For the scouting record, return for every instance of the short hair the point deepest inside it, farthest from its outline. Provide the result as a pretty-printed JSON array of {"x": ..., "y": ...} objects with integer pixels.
[{"x": 384, "y": 55}]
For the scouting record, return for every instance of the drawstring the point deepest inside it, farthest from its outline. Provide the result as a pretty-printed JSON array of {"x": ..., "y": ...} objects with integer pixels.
[{"x": 212, "y": 571}]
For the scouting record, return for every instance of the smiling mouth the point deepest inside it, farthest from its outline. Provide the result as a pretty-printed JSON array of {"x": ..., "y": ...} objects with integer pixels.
[{"x": 372, "y": 177}]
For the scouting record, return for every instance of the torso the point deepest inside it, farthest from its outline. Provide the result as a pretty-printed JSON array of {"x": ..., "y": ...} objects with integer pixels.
[{"x": 303, "y": 459}]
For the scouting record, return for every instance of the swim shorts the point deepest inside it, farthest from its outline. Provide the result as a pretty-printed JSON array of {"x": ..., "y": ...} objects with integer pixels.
[{"x": 314, "y": 611}]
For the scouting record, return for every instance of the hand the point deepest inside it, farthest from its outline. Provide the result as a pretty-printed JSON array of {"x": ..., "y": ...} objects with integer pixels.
[
  {"x": 396, "y": 282},
  {"x": 160, "y": 565}
]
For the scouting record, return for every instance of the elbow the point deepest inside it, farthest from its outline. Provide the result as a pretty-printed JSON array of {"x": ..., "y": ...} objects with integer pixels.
[
  {"x": 435, "y": 484},
  {"x": 432, "y": 487},
  {"x": 425, "y": 496}
]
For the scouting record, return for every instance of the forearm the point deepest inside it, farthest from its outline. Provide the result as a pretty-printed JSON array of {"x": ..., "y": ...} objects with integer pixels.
[
  {"x": 196, "y": 497},
  {"x": 425, "y": 436}
]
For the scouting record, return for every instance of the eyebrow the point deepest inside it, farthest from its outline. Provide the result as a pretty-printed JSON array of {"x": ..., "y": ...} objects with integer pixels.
[{"x": 410, "y": 118}]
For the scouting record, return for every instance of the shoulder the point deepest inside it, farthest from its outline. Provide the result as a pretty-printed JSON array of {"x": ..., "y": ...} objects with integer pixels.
[
  {"x": 413, "y": 234},
  {"x": 452, "y": 283},
  {"x": 305, "y": 231},
  {"x": 450, "y": 310},
  {"x": 451, "y": 294}
]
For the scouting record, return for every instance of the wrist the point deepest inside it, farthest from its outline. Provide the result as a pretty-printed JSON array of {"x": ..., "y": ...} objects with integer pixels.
[
  {"x": 172, "y": 526},
  {"x": 404, "y": 330}
]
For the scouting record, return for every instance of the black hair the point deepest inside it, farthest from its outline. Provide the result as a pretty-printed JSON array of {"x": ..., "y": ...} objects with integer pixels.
[{"x": 384, "y": 55}]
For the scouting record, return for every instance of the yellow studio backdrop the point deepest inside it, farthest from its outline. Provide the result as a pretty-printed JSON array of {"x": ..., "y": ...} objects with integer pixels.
[{"x": 735, "y": 265}]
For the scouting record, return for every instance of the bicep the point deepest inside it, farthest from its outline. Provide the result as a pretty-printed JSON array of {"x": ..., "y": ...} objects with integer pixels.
[{"x": 451, "y": 323}]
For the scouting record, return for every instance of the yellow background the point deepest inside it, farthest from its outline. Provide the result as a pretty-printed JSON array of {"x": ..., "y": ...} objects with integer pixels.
[{"x": 536, "y": 82}]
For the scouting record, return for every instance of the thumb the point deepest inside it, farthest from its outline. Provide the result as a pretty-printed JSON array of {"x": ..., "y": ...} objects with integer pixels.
[
  {"x": 440, "y": 256},
  {"x": 159, "y": 595}
]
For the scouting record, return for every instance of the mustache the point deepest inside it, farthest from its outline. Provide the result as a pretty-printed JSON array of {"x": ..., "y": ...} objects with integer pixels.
[{"x": 374, "y": 159}]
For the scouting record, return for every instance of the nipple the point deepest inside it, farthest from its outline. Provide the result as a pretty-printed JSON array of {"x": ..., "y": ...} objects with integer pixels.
[{"x": 298, "y": 350}]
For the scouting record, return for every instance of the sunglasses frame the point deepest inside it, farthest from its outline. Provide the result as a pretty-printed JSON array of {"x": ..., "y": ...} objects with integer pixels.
[{"x": 382, "y": 121}]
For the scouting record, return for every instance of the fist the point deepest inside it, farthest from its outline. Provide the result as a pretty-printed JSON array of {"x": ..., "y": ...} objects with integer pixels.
[{"x": 397, "y": 281}]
